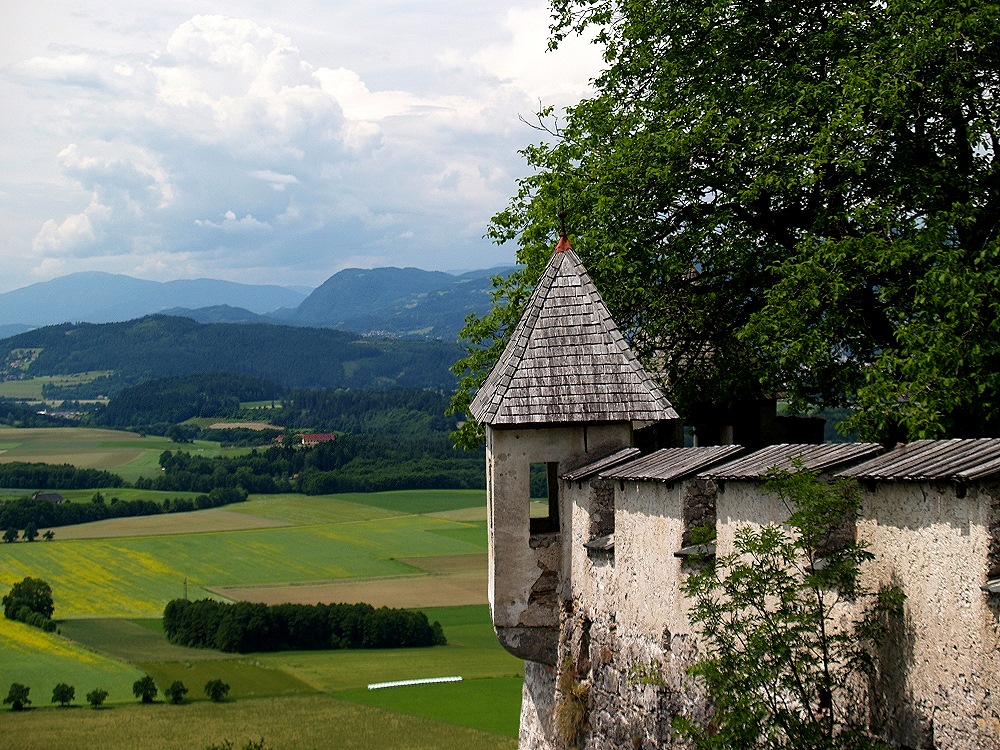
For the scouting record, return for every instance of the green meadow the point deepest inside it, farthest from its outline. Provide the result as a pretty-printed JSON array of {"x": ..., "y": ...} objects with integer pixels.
[
  {"x": 137, "y": 576},
  {"x": 31, "y": 388},
  {"x": 110, "y": 590},
  {"x": 127, "y": 454},
  {"x": 312, "y": 722}
]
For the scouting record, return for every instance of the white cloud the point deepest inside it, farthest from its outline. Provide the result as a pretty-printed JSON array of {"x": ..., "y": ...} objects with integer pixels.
[
  {"x": 132, "y": 171},
  {"x": 230, "y": 223},
  {"x": 525, "y": 64},
  {"x": 49, "y": 268},
  {"x": 224, "y": 146},
  {"x": 357, "y": 102},
  {"x": 72, "y": 233},
  {"x": 276, "y": 180}
]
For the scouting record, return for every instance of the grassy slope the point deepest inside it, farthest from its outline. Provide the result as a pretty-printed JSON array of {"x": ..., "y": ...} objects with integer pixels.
[
  {"x": 31, "y": 388},
  {"x": 492, "y": 705},
  {"x": 488, "y": 698},
  {"x": 41, "y": 660},
  {"x": 419, "y": 501},
  {"x": 472, "y": 652}
]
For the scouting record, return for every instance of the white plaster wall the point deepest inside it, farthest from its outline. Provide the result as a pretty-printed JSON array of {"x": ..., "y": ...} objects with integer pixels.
[
  {"x": 649, "y": 528},
  {"x": 741, "y": 504},
  {"x": 640, "y": 583},
  {"x": 514, "y": 565},
  {"x": 940, "y": 672},
  {"x": 586, "y": 577},
  {"x": 939, "y": 680},
  {"x": 934, "y": 545}
]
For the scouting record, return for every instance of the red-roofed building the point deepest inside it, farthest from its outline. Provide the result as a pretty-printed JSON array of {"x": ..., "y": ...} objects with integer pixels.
[{"x": 318, "y": 437}]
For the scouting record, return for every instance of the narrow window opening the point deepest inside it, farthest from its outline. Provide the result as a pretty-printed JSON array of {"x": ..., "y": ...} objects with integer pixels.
[
  {"x": 545, "y": 497},
  {"x": 698, "y": 540},
  {"x": 601, "y": 535}
]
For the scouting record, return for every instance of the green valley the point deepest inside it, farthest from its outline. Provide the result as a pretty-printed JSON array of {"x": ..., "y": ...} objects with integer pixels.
[{"x": 111, "y": 581}]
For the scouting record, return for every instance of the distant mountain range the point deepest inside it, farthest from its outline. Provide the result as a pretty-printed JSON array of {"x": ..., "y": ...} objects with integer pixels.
[{"x": 400, "y": 302}]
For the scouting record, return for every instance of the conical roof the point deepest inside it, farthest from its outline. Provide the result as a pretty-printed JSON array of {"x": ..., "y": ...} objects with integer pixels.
[{"x": 567, "y": 362}]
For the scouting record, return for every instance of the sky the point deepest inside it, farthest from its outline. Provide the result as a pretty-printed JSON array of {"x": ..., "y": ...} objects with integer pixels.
[{"x": 267, "y": 142}]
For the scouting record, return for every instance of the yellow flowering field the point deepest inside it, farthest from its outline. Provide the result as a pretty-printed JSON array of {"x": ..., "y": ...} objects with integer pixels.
[{"x": 137, "y": 576}]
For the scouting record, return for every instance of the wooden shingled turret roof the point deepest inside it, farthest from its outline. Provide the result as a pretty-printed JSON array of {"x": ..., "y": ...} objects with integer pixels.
[{"x": 566, "y": 361}]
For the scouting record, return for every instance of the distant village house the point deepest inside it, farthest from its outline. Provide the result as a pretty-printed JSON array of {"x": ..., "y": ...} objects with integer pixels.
[
  {"x": 53, "y": 497},
  {"x": 316, "y": 438}
]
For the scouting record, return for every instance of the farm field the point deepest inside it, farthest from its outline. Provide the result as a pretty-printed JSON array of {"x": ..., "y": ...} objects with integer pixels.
[
  {"x": 126, "y": 453},
  {"x": 213, "y": 519},
  {"x": 31, "y": 388},
  {"x": 461, "y": 581},
  {"x": 136, "y": 576},
  {"x": 40, "y": 660},
  {"x": 488, "y": 704},
  {"x": 410, "y": 549},
  {"x": 297, "y": 723}
]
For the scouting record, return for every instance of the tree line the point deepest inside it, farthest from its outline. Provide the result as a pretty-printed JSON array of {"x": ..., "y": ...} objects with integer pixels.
[
  {"x": 179, "y": 398},
  {"x": 39, "y": 476},
  {"x": 352, "y": 463},
  {"x": 14, "y": 414},
  {"x": 246, "y": 627},
  {"x": 35, "y": 513},
  {"x": 156, "y": 406},
  {"x": 397, "y": 411},
  {"x": 144, "y": 689}
]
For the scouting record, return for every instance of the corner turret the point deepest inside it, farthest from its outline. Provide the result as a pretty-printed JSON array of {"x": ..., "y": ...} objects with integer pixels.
[{"x": 567, "y": 390}]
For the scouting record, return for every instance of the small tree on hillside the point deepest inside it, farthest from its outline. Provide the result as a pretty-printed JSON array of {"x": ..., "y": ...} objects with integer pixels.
[
  {"x": 788, "y": 631},
  {"x": 63, "y": 694},
  {"x": 176, "y": 692},
  {"x": 216, "y": 690},
  {"x": 145, "y": 689},
  {"x": 17, "y": 697},
  {"x": 49, "y": 535},
  {"x": 97, "y": 697},
  {"x": 10, "y": 535},
  {"x": 30, "y": 532}
]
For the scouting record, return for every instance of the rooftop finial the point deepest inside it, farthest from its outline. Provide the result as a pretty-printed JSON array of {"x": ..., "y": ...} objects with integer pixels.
[{"x": 563, "y": 243}]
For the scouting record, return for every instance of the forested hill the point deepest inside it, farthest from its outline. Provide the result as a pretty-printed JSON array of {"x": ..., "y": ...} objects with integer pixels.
[{"x": 159, "y": 346}]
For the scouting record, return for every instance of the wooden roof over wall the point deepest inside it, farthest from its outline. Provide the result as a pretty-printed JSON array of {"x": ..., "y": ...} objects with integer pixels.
[
  {"x": 929, "y": 460},
  {"x": 671, "y": 464},
  {"x": 821, "y": 458},
  {"x": 567, "y": 362}
]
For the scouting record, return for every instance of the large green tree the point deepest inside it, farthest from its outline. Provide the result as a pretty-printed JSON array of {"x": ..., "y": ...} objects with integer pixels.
[
  {"x": 17, "y": 696},
  {"x": 782, "y": 198},
  {"x": 63, "y": 694},
  {"x": 145, "y": 689},
  {"x": 32, "y": 593}
]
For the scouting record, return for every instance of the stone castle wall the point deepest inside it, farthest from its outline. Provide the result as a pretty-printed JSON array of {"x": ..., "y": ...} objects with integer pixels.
[{"x": 625, "y": 643}]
